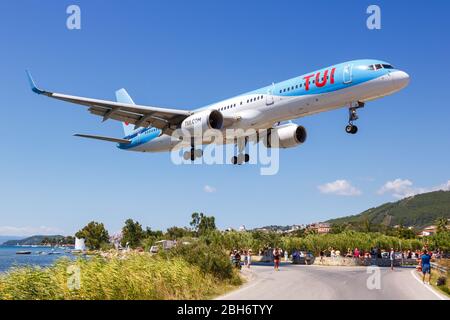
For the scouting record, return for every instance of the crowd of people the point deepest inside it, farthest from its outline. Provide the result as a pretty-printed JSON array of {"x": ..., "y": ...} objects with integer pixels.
[
  {"x": 236, "y": 258},
  {"x": 423, "y": 257},
  {"x": 378, "y": 253}
]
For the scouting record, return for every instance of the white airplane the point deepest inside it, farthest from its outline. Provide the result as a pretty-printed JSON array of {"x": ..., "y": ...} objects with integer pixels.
[{"x": 149, "y": 128}]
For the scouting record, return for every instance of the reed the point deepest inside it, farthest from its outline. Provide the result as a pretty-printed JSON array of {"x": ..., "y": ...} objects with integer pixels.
[{"x": 134, "y": 276}]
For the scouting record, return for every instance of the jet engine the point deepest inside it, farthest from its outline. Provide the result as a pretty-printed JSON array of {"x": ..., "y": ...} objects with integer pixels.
[
  {"x": 287, "y": 136},
  {"x": 201, "y": 121}
]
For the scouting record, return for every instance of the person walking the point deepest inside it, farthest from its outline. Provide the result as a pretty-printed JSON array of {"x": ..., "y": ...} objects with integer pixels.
[
  {"x": 249, "y": 257},
  {"x": 425, "y": 260},
  {"x": 392, "y": 258},
  {"x": 276, "y": 259}
]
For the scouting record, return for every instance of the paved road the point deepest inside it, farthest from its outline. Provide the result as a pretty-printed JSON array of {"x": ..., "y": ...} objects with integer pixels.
[{"x": 325, "y": 283}]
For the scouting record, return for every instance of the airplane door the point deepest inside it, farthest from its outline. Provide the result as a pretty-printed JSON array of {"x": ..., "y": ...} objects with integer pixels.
[
  {"x": 269, "y": 96},
  {"x": 347, "y": 73}
]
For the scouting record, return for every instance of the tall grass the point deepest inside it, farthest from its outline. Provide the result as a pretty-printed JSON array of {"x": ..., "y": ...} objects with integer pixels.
[{"x": 137, "y": 277}]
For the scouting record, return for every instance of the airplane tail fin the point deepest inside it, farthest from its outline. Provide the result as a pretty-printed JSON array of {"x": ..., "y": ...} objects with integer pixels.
[{"x": 123, "y": 97}]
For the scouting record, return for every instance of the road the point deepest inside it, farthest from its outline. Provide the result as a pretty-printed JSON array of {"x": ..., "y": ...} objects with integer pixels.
[{"x": 330, "y": 283}]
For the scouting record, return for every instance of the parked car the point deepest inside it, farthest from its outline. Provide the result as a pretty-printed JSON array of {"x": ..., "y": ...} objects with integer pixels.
[
  {"x": 154, "y": 249},
  {"x": 303, "y": 257}
]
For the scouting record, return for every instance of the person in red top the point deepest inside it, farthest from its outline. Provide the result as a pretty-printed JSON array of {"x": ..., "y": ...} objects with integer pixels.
[
  {"x": 276, "y": 259},
  {"x": 356, "y": 253}
]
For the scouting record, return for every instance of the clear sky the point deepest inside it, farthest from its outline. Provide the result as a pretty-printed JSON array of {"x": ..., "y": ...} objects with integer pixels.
[{"x": 185, "y": 54}]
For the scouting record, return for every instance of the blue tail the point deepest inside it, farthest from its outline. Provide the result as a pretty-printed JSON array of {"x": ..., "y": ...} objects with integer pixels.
[{"x": 123, "y": 97}]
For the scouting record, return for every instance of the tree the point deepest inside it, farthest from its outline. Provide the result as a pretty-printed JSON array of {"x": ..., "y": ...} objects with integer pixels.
[
  {"x": 441, "y": 224},
  {"x": 337, "y": 228},
  {"x": 94, "y": 234},
  {"x": 132, "y": 233},
  {"x": 202, "y": 223},
  {"x": 149, "y": 233},
  {"x": 177, "y": 233}
]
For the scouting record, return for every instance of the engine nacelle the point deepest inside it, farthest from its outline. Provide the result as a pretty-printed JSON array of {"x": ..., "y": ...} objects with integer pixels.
[
  {"x": 201, "y": 121},
  {"x": 288, "y": 136}
]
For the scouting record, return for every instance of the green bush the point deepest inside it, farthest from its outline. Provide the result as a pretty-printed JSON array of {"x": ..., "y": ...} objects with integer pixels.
[{"x": 209, "y": 258}]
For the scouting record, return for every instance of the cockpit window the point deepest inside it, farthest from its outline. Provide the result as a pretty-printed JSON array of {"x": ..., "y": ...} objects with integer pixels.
[
  {"x": 369, "y": 67},
  {"x": 388, "y": 66},
  {"x": 378, "y": 66}
]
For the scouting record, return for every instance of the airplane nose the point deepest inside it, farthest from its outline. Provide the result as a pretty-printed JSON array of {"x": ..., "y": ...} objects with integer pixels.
[{"x": 400, "y": 79}]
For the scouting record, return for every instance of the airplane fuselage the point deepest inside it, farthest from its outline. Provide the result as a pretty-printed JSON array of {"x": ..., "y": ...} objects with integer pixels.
[{"x": 326, "y": 89}]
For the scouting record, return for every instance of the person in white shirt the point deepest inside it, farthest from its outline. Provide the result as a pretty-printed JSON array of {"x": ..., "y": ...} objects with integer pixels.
[{"x": 392, "y": 258}]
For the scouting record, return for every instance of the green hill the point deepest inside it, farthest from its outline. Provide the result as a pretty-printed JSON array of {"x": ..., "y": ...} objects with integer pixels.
[
  {"x": 417, "y": 211},
  {"x": 33, "y": 240}
]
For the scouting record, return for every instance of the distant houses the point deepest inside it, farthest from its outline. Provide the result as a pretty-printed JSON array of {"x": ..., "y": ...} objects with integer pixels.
[
  {"x": 428, "y": 231},
  {"x": 320, "y": 227},
  {"x": 317, "y": 227}
]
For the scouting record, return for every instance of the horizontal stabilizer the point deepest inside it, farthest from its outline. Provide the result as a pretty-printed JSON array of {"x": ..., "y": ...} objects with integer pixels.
[{"x": 116, "y": 140}]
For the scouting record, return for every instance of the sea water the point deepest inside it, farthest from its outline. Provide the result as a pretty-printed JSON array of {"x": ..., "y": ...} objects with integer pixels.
[{"x": 40, "y": 256}]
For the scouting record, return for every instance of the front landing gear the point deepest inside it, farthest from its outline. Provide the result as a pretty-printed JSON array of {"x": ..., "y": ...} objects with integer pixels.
[{"x": 353, "y": 116}]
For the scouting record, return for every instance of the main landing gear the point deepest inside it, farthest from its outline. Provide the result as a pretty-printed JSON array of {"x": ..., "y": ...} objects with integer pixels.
[
  {"x": 193, "y": 153},
  {"x": 241, "y": 157},
  {"x": 353, "y": 116}
]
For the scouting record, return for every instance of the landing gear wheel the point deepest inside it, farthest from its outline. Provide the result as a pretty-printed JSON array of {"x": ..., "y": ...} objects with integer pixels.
[
  {"x": 240, "y": 158},
  {"x": 352, "y": 129},
  {"x": 234, "y": 160},
  {"x": 186, "y": 155},
  {"x": 198, "y": 153},
  {"x": 247, "y": 158}
]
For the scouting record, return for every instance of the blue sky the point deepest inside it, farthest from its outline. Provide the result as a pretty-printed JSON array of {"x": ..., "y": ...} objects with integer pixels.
[{"x": 187, "y": 54}]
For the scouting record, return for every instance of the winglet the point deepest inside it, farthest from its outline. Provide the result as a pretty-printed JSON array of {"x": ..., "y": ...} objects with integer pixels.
[{"x": 34, "y": 88}]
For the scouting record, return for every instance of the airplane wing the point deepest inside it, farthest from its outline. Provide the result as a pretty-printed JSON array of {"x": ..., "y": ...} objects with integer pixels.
[{"x": 141, "y": 116}]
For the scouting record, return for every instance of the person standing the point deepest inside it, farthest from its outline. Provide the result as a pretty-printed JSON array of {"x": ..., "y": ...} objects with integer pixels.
[
  {"x": 276, "y": 259},
  {"x": 249, "y": 257},
  {"x": 425, "y": 260},
  {"x": 356, "y": 253},
  {"x": 245, "y": 258},
  {"x": 392, "y": 258}
]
